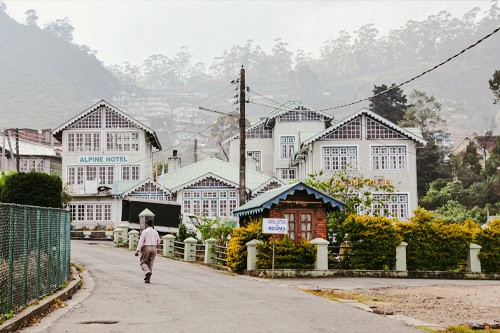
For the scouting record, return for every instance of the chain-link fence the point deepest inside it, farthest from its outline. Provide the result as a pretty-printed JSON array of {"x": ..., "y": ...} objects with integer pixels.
[{"x": 34, "y": 253}]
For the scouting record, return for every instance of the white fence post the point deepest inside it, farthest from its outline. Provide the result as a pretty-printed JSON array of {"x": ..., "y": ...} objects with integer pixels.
[
  {"x": 123, "y": 236},
  {"x": 400, "y": 264},
  {"x": 321, "y": 262},
  {"x": 210, "y": 256},
  {"x": 190, "y": 249},
  {"x": 252, "y": 254},
  {"x": 116, "y": 235},
  {"x": 168, "y": 246},
  {"x": 133, "y": 239},
  {"x": 473, "y": 264}
]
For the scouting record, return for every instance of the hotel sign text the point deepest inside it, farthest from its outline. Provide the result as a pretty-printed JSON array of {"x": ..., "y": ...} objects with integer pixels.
[{"x": 103, "y": 159}]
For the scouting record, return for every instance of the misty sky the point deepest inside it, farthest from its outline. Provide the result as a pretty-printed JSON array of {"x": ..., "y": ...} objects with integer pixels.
[{"x": 133, "y": 30}]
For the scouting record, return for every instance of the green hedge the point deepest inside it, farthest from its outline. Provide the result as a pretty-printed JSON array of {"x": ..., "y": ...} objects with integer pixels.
[
  {"x": 33, "y": 188},
  {"x": 236, "y": 248},
  {"x": 489, "y": 239},
  {"x": 434, "y": 245},
  {"x": 371, "y": 242},
  {"x": 287, "y": 254}
]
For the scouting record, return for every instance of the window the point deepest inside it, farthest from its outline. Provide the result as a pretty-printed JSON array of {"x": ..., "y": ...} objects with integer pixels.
[
  {"x": 30, "y": 164},
  {"x": 90, "y": 212},
  {"x": 91, "y": 173},
  {"x": 286, "y": 148},
  {"x": 84, "y": 142},
  {"x": 223, "y": 208},
  {"x": 79, "y": 175},
  {"x": 80, "y": 213},
  {"x": 291, "y": 225},
  {"x": 388, "y": 158},
  {"x": 114, "y": 120},
  {"x": 122, "y": 141},
  {"x": 394, "y": 204},
  {"x": 186, "y": 206},
  {"x": 259, "y": 132},
  {"x": 98, "y": 212},
  {"x": 306, "y": 226},
  {"x": 375, "y": 130},
  {"x": 232, "y": 206},
  {"x": 298, "y": 116},
  {"x": 288, "y": 174},
  {"x": 107, "y": 212},
  {"x": 254, "y": 158},
  {"x": 71, "y": 175},
  {"x": 351, "y": 130},
  {"x": 339, "y": 158}
]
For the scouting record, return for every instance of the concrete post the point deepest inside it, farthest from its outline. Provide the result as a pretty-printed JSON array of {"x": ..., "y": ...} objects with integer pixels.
[
  {"x": 210, "y": 255},
  {"x": 116, "y": 235},
  {"x": 400, "y": 264},
  {"x": 321, "y": 254},
  {"x": 190, "y": 249},
  {"x": 168, "y": 246},
  {"x": 473, "y": 263},
  {"x": 252, "y": 253},
  {"x": 133, "y": 239},
  {"x": 124, "y": 234}
]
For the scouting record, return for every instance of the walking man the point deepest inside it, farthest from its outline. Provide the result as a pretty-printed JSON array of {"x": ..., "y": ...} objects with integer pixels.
[{"x": 148, "y": 242}]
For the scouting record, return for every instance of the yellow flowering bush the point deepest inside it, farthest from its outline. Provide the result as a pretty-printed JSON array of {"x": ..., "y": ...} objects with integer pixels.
[
  {"x": 236, "y": 248},
  {"x": 489, "y": 239}
]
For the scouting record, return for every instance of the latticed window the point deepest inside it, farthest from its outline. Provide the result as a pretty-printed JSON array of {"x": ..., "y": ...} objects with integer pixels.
[
  {"x": 291, "y": 225},
  {"x": 90, "y": 212},
  {"x": 288, "y": 174},
  {"x": 286, "y": 146},
  {"x": 114, "y": 120},
  {"x": 92, "y": 120},
  {"x": 210, "y": 182},
  {"x": 306, "y": 226},
  {"x": 254, "y": 156},
  {"x": 84, "y": 141},
  {"x": 259, "y": 132},
  {"x": 339, "y": 158},
  {"x": 394, "y": 204},
  {"x": 375, "y": 130},
  {"x": 122, "y": 141},
  {"x": 351, "y": 130},
  {"x": 388, "y": 158},
  {"x": 29, "y": 164},
  {"x": 107, "y": 212},
  {"x": 298, "y": 116},
  {"x": 91, "y": 173},
  {"x": 71, "y": 141}
]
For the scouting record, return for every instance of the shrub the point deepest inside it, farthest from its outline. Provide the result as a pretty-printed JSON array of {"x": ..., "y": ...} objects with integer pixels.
[
  {"x": 287, "y": 254},
  {"x": 236, "y": 248},
  {"x": 372, "y": 242},
  {"x": 185, "y": 233},
  {"x": 215, "y": 228},
  {"x": 32, "y": 188},
  {"x": 434, "y": 245},
  {"x": 489, "y": 239}
]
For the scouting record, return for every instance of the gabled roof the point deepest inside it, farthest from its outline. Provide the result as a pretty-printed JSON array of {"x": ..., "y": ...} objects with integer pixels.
[
  {"x": 221, "y": 170},
  {"x": 412, "y": 132},
  {"x": 27, "y": 148},
  {"x": 125, "y": 187},
  {"x": 272, "y": 197},
  {"x": 152, "y": 137},
  {"x": 279, "y": 110}
]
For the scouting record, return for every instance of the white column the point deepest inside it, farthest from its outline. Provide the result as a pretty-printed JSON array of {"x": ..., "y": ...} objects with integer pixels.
[
  {"x": 210, "y": 257},
  {"x": 400, "y": 264},
  {"x": 168, "y": 246},
  {"x": 321, "y": 254},
  {"x": 473, "y": 263},
  {"x": 190, "y": 249},
  {"x": 252, "y": 253}
]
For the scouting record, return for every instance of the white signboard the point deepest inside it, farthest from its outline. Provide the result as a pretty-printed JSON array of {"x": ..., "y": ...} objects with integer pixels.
[{"x": 275, "y": 226}]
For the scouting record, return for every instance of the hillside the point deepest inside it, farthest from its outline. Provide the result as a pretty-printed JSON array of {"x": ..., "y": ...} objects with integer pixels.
[{"x": 43, "y": 79}]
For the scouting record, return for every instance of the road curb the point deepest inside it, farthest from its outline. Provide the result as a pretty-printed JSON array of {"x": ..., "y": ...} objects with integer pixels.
[{"x": 22, "y": 318}]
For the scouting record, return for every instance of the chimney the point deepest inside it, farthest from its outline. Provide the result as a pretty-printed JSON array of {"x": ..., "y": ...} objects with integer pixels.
[{"x": 174, "y": 162}]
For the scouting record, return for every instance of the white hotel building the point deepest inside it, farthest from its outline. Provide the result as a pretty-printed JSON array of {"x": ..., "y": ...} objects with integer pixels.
[{"x": 106, "y": 156}]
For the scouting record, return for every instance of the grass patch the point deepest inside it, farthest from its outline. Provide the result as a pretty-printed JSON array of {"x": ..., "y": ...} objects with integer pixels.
[
  {"x": 465, "y": 329},
  {"x": 78, "y": 268}
]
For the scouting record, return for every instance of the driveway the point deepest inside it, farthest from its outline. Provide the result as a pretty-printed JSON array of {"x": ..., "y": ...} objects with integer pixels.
[{"x": 184, "y": 297}]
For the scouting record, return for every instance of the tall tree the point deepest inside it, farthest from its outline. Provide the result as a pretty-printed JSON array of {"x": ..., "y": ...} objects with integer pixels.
[
  {"x": 391, "y": 104},
  {"x": 492, "y": 167},
  {"x": 61, "y": 28},
  {"x": 424, "y": 112},
  {"x": 430, "y": 166},
  {"x": 31, "y": 18},
  {"x": 495, "y": 86},
  {"x": 470, "y": 168}
]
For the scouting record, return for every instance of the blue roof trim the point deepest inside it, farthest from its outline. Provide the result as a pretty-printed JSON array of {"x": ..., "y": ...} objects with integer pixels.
[{"x": 299, "y": 186}]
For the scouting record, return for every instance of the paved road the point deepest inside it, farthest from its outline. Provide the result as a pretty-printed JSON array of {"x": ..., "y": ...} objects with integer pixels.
[{"x": 184, "y": 297}]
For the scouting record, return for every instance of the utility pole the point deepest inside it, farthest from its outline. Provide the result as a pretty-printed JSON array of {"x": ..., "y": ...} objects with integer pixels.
[
  {"x": 3, "y": 152},
  {"x": 195, "y": 150},
  {"x": 242, "y": 137},
  {"x": 17, "y": 150}
]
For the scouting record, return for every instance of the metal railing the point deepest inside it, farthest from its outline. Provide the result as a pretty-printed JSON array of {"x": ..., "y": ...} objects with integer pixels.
[
  {"x": 34, "y": 253},
  {"x": 220, "y": 254},
  {"x": 179, "y": 249}
]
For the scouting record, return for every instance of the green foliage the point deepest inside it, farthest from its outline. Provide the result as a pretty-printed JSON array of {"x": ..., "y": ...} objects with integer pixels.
[
  {"x": 492, "y": 167},
  {"x": 495, "y": 86},
  {"x": 424, "y": 113},
  {"x": 489, "y": 239},
  {"x": 184, "y": 233},
  {"x": 430, "y": 166},
  {"x": 354, "y": 191},
  {"x": 371, "y": 241},
  {"x": 236, "y": 248},
  {"x": 215, "y": 228},
  {"x": 391, "y": 105},
  {"x": 470, "y": 169},
  {"x": 287, "y": 254},
  {"x": 434, "y": 245},
  {"x": 33, "y": 188}
]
